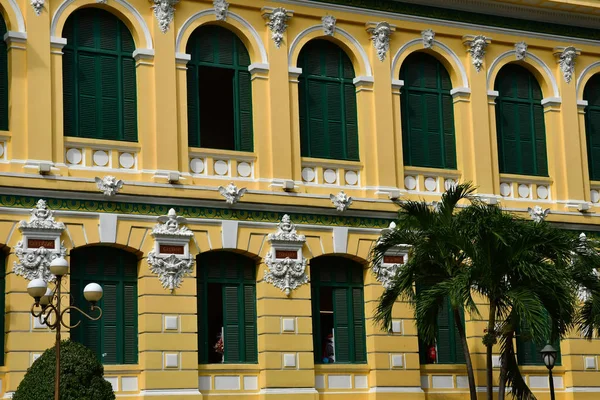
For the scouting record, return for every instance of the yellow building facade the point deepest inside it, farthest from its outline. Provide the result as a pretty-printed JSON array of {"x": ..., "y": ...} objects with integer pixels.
[{"x": 170, "y": 284}]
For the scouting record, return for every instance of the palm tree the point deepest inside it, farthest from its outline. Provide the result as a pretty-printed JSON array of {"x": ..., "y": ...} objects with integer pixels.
[
  {"x": 435, "y": 263},
  {"x": 528, "y": 272}
]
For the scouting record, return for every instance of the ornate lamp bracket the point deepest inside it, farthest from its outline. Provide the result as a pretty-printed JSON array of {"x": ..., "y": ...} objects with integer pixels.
[
  {"x": 171, "y": 259},
  {"x": 40, "y": 244},
  {"x": 285, "y": 262}
]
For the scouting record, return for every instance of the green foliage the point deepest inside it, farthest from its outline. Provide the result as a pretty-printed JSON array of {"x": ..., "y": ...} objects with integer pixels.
[
  {"x": 532, "y": 274},
  {"x": 80, "y": 371}
]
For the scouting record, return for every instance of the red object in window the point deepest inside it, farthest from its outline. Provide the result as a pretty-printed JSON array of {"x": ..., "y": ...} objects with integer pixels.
[{"x": 431, "y": 354}]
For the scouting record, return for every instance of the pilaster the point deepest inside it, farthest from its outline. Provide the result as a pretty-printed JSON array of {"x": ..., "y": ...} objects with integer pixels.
[
  {"x": 17, "y": 66},
  {"x": 144, "y": 64},
  {"x": 39, "y": 91}
]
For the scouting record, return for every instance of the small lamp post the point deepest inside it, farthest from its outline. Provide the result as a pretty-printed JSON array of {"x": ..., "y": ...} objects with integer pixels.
[
  {"x": 49, "y": 303},
  {"x": 549, "y": 354}
]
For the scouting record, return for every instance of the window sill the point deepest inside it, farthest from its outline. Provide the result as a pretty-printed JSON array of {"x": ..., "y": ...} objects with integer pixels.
[
  {"x": 222, "y": 154},
  {"x": 526, "y": 178},
  {"x": 228, "y": 367},
  {"x": 535, "y": 369},
  {"x": 122, "y": 369},
  {"x": 342, "y": 367},
  {"x": 5, "y": 135},
  {"x": 595, "y": 184},
  {"x": 433, "y": 368},
  {"x": 446, "y": 173},
  {"x": 329, "y": 163},
  {"x": 101, "y": 144}
]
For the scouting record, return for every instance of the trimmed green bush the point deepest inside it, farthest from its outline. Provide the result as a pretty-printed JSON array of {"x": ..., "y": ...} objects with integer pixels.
[{"x": 81, "y": 376}]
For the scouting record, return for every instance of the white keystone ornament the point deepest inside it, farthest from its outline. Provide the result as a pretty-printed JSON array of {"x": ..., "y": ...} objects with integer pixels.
[
  {"x": 40, "y": 244},
  {"x": 341, "y": 201},
  {"x": 286, "y": 267},
  {"x": 171, "y": 259},
  {"x": 221, "y": 9},
  {"x": 329, "y": 22}
]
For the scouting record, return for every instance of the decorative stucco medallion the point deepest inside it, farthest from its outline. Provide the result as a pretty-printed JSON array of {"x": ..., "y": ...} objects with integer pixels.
[
  {"x": 428, "y": 36},
  {"x": 277, "y": 23},
  {"x": 231, "y": 193},
  {"x": 567, "y": 62},
  {"x": 521, "y": 50},
  {"x": 40, "y": 244},
  {"x": 171, "y": 259},
  {"x": 537, "y": 213},
  {"x": 476, "y": 46},
  {"x": 164, "y": 11},
  {"x": 221, "y": 9},
  {"x": 329, "y": 22},
  {"x": 286, "y": 266},
  {"x": 109, "y": 185},
  {"x": 341, "y": 201},
  {"x": 381, "y": 39},
  {"x": 38, "y": 6}
]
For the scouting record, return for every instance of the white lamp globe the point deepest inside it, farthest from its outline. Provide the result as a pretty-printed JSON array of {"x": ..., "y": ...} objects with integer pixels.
[
  {"x": 59, "y": 266},
  {"x": 37, "y": 288},
  {"x": 46, "y": 298},
  {"x": 92, "y": 292}
]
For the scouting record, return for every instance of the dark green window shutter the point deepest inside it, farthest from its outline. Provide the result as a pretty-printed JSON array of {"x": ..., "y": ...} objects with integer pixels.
[
  {"x": 327, "y": 100},
  {"x": 232, "y": 331},
  {"x": 234, "y": 276},
  {"x": 114, "y": 337},
  {"x": 216, "y": 47},
  {"x": 341, "y": 325},
  {"x": 520, "y": 126},
  {"x": 342, "y": 279},
  {"x": 528, "y": 351},
  {"x": 250, "y": 334},
  {"x": 427, "y": 110},
  {"x": 3, "y": 79},
  {"x": 358, "y": 326},
  {"x": 99, "y": 79},
  {"x": 591, "y": 94}
]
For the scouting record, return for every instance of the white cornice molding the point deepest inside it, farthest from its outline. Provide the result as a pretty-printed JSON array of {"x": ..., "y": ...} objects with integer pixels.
[{"x": 445, "y": 22}]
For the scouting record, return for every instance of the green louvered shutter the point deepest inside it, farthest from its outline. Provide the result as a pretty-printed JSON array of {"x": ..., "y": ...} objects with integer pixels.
[
  {"x": 246, "y": 137},
  {"x": 3, "y": 79},
  {"x": 520, "y": 126},
  {"x": 341, "y": 325},
  {"x": 358, "y": 320},
  {"x": 591, "y": 94},
  {"x": 250, "y": 334},
  {"x": 99, "y": 83},
  {"x": 528, "y": 351},
  {"x": 593, "y": 141},
  {"x": 110, "y": 321},
  {"x": 192, "y": 106},
  {"x": 130, "y": 351},
  {"x": 232, "y": 331},
  {"x": 459, "y": 354},
  {"x": 327, "y": 103},
  {"x": 201, "y": 312},
  {"x": 444, "y": 344},
  {"x": 427, "y": 113}
]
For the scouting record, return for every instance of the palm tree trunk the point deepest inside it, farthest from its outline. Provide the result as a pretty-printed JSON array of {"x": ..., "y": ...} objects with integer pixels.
[
  {"x": 488, "y": 356},
  {"x": 503, "y": 372},
  {"x": 463, "y": 340}
]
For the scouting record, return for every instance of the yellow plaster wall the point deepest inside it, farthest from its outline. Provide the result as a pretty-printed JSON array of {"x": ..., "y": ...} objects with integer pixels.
[{"x": 36, "y": 135}]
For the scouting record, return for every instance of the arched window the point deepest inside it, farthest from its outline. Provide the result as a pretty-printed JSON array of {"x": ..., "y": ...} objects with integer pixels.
[
  {"x": 520, "y": 124},
  {"x": 338, "y": 310},
  {"x": 327, "y": 99},
  {"x": 3, "y": 78},
  {"x": 99, "y": 83},
  {"x": 114, "y": 337},
  {"x": 427, "y": 113},
  {"x": 226, "y": 308},
  {"x": 591, "y": 94},
  {"x": 219, "y": 92}
]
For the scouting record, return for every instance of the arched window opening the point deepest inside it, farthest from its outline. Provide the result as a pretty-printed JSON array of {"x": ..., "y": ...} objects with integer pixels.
[
  {"x": 114, "y": 338},
  {"x": 591, "y": 94},
  {"x": 3, "y": 78},
  {"x": 427, "y": 109},
  {"x": 219, "y": 92},
  {"x": 99, "y": 79},
  {"x": 338, "y": 310},
  {"x": 327, "y": 100},
  {"x": 2, "y": 303},
  {"x": 226, "y": 308},
  {"x": 520, "y": 126}
]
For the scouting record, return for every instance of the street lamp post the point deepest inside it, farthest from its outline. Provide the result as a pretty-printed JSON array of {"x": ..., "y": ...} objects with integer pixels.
[
  {"x": 549, "y": 356},
  {"x": 49, "y": 304}
]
